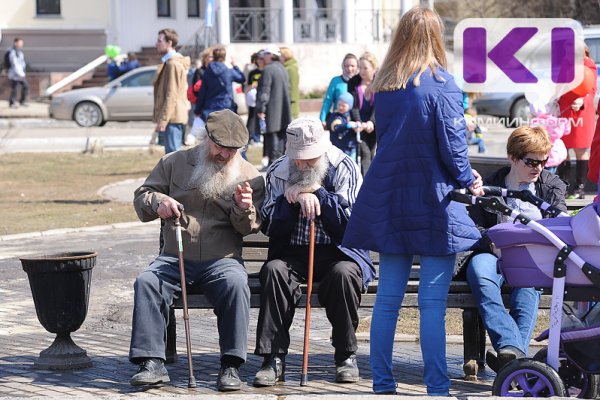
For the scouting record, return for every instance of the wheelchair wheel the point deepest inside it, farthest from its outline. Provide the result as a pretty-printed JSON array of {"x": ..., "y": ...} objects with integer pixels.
[
  {"x": 577, "y": 382},
  {"x": 525, "y": 377}
]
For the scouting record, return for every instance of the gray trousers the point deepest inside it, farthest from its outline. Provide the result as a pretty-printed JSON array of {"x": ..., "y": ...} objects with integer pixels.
[{"x": 225, "y": 284}]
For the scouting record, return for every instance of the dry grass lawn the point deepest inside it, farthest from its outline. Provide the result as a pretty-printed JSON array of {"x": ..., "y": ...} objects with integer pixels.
[{"x": 42, "y": 191}]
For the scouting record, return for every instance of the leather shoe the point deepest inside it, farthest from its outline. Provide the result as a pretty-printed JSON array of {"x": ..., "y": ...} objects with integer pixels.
[
  {"x": 271, "y": 371},
  {"x": 151, "y": 372},
  {"x": 228, "y": 379},
  {"x": 505, "y": 355},
  {"x": 347, "y": 370}
]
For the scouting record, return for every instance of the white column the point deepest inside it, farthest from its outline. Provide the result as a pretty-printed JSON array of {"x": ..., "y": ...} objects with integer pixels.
[
  {"x": 405, "y": 5},
  {"x": 223, "y": 30},
  {"x": 348, "y": 21},
  {"x": 287, "y": 21},
  {"x": 115, "y": 23}
]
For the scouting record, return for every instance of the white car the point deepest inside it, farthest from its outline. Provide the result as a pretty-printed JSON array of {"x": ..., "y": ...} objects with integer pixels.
[{"x": 128, "y": 98}]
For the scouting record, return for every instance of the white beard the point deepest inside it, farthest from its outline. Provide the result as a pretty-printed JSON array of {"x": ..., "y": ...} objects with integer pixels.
[
  {"x": 215, "y": 180},
  {"x": 308, "y": 177}
]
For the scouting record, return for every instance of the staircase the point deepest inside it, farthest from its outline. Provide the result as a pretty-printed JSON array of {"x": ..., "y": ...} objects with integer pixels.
[{"x": 148, "y": 56}]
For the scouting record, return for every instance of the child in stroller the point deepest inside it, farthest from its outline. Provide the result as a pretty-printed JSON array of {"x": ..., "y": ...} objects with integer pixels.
[{"x": 554, "y": 253}]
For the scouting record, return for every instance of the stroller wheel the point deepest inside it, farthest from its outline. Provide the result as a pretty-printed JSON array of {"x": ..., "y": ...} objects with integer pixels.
[
  {"x": 525, "y": 377},
  {"x": 577, "y": 382}
]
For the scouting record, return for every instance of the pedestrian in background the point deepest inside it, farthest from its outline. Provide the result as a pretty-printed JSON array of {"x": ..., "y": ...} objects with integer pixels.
[
  {"x": 273, "y": 103},
  {"x": 338, "y": 85},
  {"x": 291, "y": 66},
  {"x": 16, "y": 73},
  {"x": 257, "y": 59},
  {"x": 363, "y": 110},
  {"x": 216, "y": 92},
  {"x": 581, "y": 110},
  {"x": 170, "y": 92},
  {"x": 404, "y": 207}
]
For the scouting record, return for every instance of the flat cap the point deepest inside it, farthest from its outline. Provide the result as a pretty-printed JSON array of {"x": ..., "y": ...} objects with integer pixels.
[{"x": 227, "y": 129}]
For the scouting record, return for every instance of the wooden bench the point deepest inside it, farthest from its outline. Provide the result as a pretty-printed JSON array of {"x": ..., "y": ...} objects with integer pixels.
[{"x": 459, "y": 297}]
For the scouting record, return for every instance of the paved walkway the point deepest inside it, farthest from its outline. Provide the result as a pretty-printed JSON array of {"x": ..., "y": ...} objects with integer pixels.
[{"x": 123, "y": 251}]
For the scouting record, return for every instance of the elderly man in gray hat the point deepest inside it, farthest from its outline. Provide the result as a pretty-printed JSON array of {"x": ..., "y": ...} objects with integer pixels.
[
  {"x": 222, "y": 195},
  {"x": 313, "y": 181}
]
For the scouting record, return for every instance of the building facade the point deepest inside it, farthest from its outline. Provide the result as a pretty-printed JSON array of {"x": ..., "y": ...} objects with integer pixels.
[{"x": 63, "y": 35}]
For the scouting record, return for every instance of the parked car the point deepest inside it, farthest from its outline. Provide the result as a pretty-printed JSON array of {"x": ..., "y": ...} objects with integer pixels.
[
  {"x": 127, "y": 98},
  {"x": 512, "y": 107}
]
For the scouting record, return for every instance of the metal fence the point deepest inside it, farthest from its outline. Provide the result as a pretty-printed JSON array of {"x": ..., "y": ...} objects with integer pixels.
[
  {"x": 311, "y": 24},
  {"x": 317, "y": 25},
  {"x": 255, "y": 24}
]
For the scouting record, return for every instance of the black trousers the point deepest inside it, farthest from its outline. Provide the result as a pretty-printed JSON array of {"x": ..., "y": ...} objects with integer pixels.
[
  {"x": 340, "y": 284},
  {"x": 275, "y": 144},
  {"x": 13, "y": 91}
]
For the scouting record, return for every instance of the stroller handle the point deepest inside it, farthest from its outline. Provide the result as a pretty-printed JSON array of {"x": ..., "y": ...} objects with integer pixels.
[{"x": 464, "y": 196}]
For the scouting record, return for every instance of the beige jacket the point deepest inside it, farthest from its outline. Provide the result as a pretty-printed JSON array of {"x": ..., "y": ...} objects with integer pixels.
[
  {"x": 211, "y": 229},
  {"x": 170, "y": 91}
]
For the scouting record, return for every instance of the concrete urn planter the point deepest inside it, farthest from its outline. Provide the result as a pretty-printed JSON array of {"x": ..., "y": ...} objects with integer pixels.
[{"x": 60, "y": 285}]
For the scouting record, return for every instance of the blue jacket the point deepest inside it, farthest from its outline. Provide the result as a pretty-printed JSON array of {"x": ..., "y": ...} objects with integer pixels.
[
  {"x": 216, "y": 92},
  {"x": 336, "y": 87},
  {"x": 336, "y": 196},
  {"x": 403, "y": 206}
]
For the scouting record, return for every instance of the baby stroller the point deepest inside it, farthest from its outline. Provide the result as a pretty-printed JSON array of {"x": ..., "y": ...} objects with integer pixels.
[{"x": 554, "y": 254}]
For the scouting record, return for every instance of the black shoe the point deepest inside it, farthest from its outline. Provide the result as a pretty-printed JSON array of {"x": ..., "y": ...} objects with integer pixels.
[
  {"x": 151, "y": 372},
  {"x": 346, "y": 371},
  {"x": 228, "y": 379},
  {"x": 505, "y": 355},
  {"x": 271, "y": 371}
]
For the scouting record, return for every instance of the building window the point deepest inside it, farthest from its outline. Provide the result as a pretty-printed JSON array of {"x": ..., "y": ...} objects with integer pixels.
[
  {"x": 163, "y": 8},
  {"x": 48, "y": 7},
  {"x": 193, "y": 8}
]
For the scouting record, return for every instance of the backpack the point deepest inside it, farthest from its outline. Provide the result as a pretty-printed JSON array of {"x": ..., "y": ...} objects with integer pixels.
[
  {"x": 193, "y": 91},
  {"x": 6, "y": 64}
]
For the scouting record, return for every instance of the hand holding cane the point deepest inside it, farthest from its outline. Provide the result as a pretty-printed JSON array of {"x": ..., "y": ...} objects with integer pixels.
[
  {"x": 311, "y": 259},
  {"x": 186, "y": 317}
]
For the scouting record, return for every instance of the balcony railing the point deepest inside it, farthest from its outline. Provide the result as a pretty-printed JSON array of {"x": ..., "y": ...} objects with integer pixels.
[
  {"x": 255, "y": 24},
  {"x": 311, "y": 24},
  {"x": 317, "y": 25}
]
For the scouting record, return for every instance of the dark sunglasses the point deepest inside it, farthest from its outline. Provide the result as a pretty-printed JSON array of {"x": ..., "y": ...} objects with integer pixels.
[{"x": 532, "y": 163}]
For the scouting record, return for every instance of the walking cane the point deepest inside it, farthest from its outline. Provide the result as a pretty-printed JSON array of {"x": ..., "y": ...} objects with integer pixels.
[
  {"x": 186, "y": 316},
  {"x": 311, "y": 259}
]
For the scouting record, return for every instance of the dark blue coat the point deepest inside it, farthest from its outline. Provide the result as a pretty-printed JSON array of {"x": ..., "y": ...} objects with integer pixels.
[
  {"x": 403, "y": 206},
  {"x": 216, "y": 92}
]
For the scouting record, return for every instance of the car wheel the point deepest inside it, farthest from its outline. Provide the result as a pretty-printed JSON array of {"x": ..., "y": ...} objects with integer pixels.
[
  {"x": 88, "y": 114},
  {"x": 519, "y": 113}
]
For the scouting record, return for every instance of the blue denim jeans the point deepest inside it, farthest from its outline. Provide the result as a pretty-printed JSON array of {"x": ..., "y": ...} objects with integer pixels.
[
  {"x": 172, "y": 137},
  {"x": 225, "y": 283},
  {"x": 504, "y": 328},
  {"x": 434, "y": 281}
]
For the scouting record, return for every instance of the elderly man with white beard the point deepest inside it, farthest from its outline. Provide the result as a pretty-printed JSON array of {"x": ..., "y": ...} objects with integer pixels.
[
  {"x": 222, "y": 195},
  {"x": 314, "y": 180}
]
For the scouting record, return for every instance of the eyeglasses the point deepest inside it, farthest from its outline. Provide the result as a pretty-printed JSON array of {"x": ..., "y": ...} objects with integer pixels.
[{"x": 532, "y": 163}]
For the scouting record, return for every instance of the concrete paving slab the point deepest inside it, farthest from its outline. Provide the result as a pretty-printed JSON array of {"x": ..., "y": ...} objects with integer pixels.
[{"x": 105, "y": 335}]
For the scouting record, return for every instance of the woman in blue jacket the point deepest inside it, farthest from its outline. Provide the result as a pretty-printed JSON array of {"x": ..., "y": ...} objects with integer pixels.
[
  {"x": 338, "y": 85},
  {"x": 216, "y": 92},
  {"x": 404, "y": 208}
]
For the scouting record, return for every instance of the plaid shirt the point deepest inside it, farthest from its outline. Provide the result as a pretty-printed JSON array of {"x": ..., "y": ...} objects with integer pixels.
[{"x": 301, "y": 232}]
